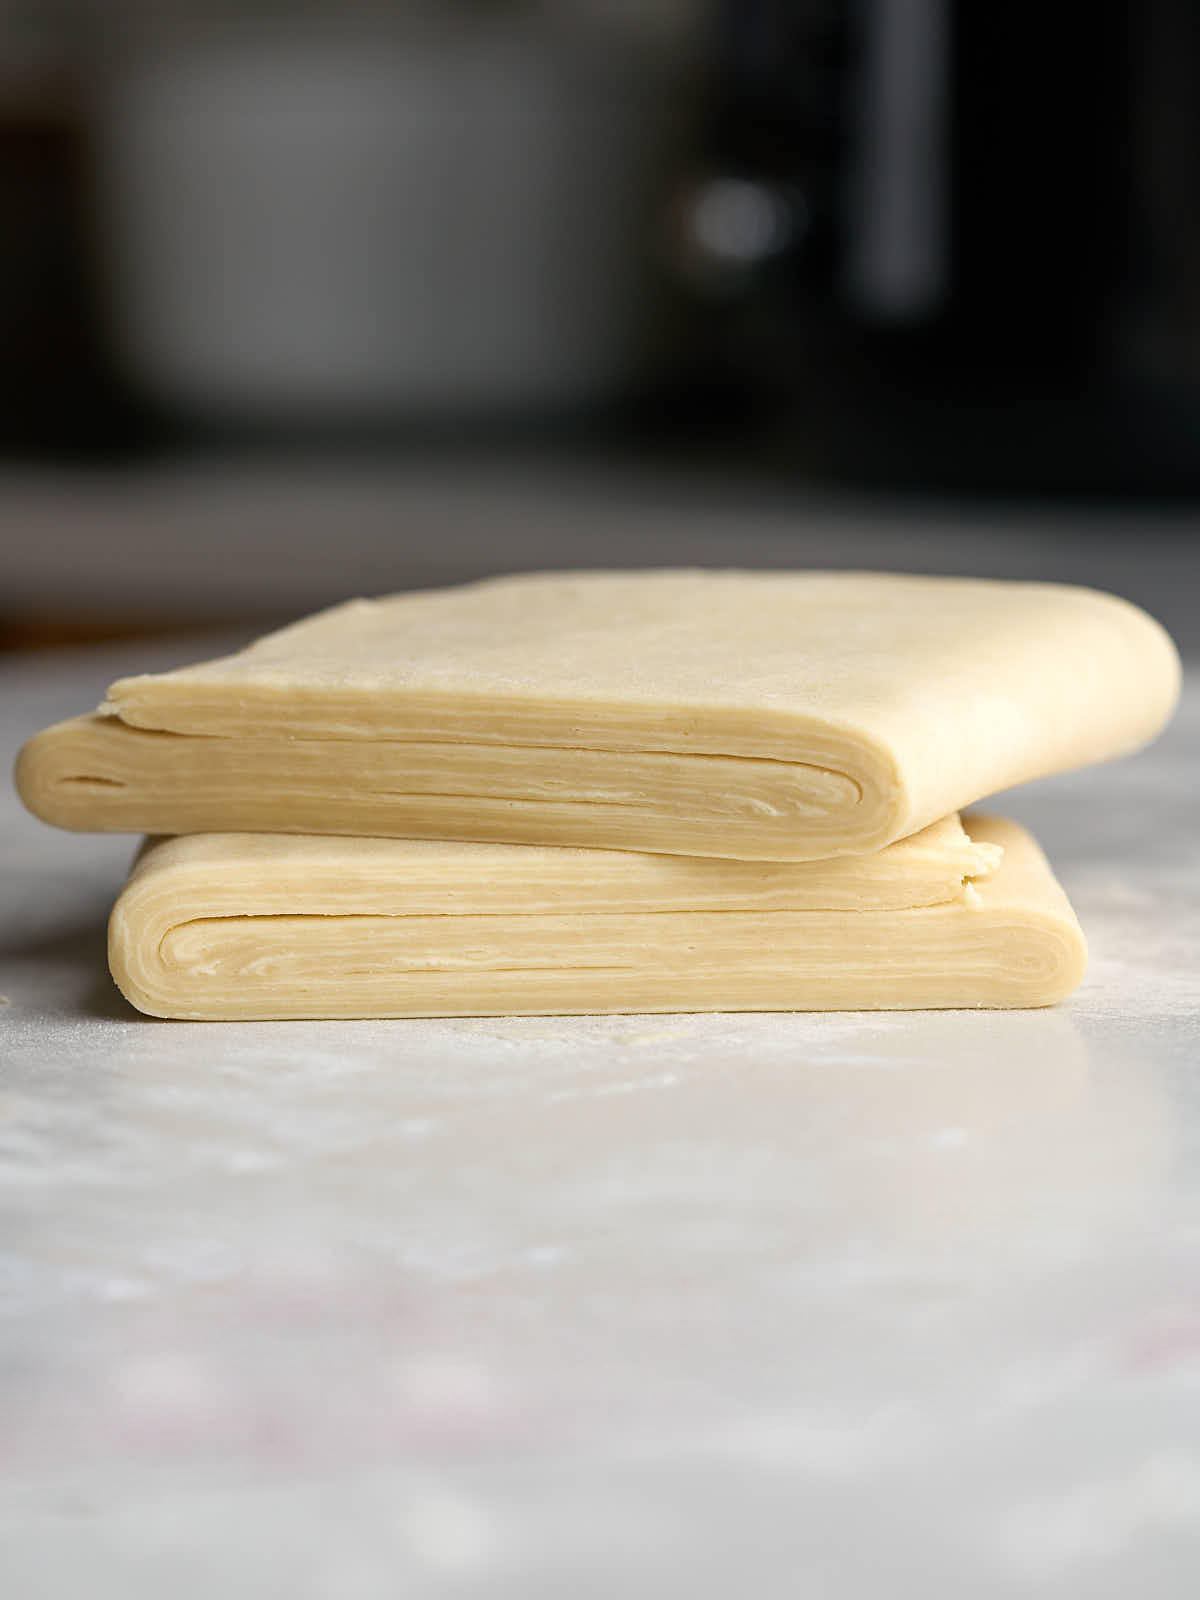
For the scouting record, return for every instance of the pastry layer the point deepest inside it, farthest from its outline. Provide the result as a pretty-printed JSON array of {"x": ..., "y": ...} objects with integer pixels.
[
  {"x": 241, "y": 927},
  {"x": 771, "y": 716}
]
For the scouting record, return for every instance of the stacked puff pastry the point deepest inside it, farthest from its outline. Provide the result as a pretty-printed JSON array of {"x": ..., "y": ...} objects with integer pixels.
[{"x": 598, "y": 792}]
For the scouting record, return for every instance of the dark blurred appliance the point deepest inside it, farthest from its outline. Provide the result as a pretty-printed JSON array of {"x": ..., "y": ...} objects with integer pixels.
[
  {"x": 56, "y": 394},
  {"x": 958, "y": 244}
]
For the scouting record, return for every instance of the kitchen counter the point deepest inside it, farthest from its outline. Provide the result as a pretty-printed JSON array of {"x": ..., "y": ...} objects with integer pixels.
[
  {"x": 803, "y": 1306},
  {"x": 215, "y": 542}
]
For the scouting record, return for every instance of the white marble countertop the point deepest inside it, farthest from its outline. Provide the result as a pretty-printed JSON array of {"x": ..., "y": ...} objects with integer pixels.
[{"x": 797, "y": 1306}]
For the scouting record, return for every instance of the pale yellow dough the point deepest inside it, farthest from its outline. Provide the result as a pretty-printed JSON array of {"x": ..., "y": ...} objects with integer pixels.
[
  {"x": 244, "y": 927},
  {"x": 771, "y": 716}
]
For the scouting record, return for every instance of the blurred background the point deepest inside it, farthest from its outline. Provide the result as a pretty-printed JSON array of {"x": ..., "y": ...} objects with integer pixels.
[{"x": 307, "y": 298}]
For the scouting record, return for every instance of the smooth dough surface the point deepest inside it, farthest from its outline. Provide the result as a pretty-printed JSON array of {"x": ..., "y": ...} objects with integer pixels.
[
  {"x": 245, "y": 927},
  {"x": 772, "y": 716}
]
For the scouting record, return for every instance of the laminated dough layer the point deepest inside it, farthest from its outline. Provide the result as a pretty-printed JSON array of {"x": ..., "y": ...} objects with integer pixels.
[
  {"x": 253, "y": 927},
  {"x": 771, "y": 716}
]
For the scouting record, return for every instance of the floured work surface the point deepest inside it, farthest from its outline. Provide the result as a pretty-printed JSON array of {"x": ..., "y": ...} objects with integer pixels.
[
  {"x": 243, "y": 927},
  {"x": 769, "y": 716}
]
